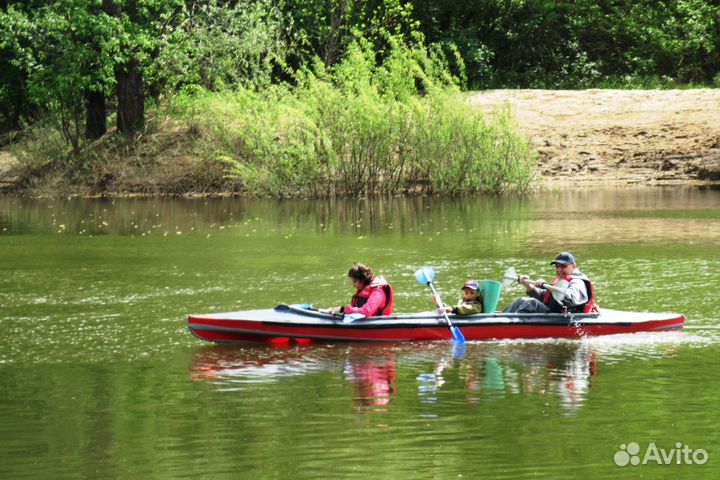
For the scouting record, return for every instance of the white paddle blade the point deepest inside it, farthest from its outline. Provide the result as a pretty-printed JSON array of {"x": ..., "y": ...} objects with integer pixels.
[
  {"x": 510, "y": 276},
  {"x": 558, "y": 290}
]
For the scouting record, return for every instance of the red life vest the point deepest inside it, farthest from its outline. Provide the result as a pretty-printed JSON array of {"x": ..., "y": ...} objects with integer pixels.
[
  {"x": 586, "y": 307},
  {"x": 362, "y": 295}
]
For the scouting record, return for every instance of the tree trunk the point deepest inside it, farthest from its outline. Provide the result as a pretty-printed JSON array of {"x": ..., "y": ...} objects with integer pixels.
[
  {"x": 131, "y": 99},
  {"x": 95, "y": 124}
]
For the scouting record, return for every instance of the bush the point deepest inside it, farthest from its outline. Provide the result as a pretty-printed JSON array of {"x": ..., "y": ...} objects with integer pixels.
[{"x": 362, "y": 128}]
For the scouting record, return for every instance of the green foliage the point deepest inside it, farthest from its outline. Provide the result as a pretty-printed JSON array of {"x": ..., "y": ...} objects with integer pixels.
[
  {"x": 42, "y": 145},
  {"x": 59, "y": 48},
  {"x": 327, "y": 27},
  {"x": 220, "y": 45},
  {"x": 582, "y": 43},
  {"x": 374, "y": 105},
  {"x": 361, "y": 128}
]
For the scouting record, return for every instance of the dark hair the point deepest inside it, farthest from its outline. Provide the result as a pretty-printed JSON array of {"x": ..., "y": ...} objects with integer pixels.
[{"x": 361, "y": 272}]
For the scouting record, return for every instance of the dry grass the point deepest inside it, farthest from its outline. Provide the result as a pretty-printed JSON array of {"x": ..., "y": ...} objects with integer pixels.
[{"x": 164, "y": 160}]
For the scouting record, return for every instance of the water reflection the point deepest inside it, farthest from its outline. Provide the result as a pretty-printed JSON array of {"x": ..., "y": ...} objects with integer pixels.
[
  {"x": 225, "y": 365},
  {"x": 563, "y": 372},
  {"x": 169, "y": 216},
  {"x": 374, "y": 381},
  {"x": 624, "y": 215}
]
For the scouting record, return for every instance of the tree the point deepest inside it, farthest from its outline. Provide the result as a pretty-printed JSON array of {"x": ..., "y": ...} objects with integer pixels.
[{"x": 52, "y": 46}]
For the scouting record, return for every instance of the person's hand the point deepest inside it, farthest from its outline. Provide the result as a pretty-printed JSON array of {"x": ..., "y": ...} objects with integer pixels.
[
  {"x": 522, "y": 279},
  {"x": 436, "y": 299},
  {"x": 540, "y": 283},
  {"x": 445, "y": 310}
]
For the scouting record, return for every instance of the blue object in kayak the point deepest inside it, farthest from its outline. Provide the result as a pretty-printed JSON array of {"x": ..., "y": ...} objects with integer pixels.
[
  {"x": 352, "y": 317},
  {"x": 302, "y": 306}
]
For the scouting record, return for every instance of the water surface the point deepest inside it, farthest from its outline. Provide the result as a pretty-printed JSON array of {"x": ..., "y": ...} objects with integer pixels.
[{"x": 100, "y": 377}]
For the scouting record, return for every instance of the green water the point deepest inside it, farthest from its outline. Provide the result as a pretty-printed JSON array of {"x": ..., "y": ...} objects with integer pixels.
[{"x": 101, "y": 379}]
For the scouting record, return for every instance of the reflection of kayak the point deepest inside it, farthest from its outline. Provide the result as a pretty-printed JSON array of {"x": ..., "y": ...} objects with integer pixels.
[
  {"x": 288, "y": 322},
  {"x": 261, "y": 363}
]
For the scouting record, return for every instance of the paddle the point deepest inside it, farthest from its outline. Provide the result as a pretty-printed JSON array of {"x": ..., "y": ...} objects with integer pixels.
[
  {"x": 558, "y": 290},
  {"x": 425, "y": 276}
]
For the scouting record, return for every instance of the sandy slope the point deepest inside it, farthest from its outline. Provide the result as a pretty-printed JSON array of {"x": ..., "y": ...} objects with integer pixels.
[
  {"x": 587, "y": 137},
  {"x": 7, "y": 167}
]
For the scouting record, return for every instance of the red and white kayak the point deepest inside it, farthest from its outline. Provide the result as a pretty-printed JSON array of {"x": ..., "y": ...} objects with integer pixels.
[{"x": 289, "y": 323}]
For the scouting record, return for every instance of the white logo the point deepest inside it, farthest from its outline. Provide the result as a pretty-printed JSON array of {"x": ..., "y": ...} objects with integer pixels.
[{"x": 681, "y": 454}]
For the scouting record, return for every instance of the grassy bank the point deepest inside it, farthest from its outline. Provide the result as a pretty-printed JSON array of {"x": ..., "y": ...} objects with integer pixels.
[{"x": 360, "y": 129}]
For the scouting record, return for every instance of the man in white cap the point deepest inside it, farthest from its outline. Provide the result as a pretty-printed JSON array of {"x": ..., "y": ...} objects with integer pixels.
[{"x": 579, "y": 295}]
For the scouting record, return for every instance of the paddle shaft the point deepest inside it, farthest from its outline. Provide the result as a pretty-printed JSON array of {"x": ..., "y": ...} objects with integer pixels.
[
  {"x": 425, "y": 276},
  {"x": 546, "y": 286},
  {"x": 447, "y": 319}
]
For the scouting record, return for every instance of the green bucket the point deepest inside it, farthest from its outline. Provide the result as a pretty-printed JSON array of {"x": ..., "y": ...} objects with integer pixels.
[{"x": 491, "y": 294}]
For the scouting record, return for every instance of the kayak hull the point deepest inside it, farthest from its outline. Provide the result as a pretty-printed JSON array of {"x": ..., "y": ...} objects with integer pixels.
[{"x": 286, "y": 323}]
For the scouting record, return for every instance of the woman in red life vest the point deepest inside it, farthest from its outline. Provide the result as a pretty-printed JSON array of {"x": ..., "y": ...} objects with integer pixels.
[
  {"x": 580, "y": 295},
  {"x": 374, "y": 296}
]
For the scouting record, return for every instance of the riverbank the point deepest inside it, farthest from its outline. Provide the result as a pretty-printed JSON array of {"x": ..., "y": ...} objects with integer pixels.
[
  {"x": 619, "y": 137},
  {"x": 583, "y": 138}
]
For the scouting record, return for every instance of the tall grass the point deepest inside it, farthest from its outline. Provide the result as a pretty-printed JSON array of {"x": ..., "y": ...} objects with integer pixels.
[{"x": 361, "y": 129}]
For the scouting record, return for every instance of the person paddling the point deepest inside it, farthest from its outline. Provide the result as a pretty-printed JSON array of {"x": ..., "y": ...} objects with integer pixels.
[
  {"x": 579, "y": 295},
  {"x": 469, "y": 304},
  {"x": 374, "y": 296}
]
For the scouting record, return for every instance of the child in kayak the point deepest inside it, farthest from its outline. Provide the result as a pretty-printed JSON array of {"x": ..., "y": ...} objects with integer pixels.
[{"x": 469, "y": 304}]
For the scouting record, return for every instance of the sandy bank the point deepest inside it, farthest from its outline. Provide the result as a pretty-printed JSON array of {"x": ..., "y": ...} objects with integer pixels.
[{"x": 592, "y": 137}]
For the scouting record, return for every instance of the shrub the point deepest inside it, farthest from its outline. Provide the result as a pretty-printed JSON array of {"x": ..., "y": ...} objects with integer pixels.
[{"x": 362, "y": 128}]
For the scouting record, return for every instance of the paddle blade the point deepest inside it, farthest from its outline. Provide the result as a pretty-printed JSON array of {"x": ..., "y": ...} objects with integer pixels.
[
  {"x": 509, "y": 277},
  {"x": 558, "y": 290},
  {"x": 458, "y": 350},
  {"x": 425, "y": 275},
  {"x": 457, "y": 335}
]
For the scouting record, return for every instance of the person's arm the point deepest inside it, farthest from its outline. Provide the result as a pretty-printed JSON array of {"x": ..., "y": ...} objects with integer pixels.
[
  {"x": 375, "y": 301},
  {"x": 534, "y": 290},
  {"x": 440, "y": 304},
  {"x": 468, "y": 308},
  {"x": 576, "y": 293},
  {"x": 537, "y": 293}
]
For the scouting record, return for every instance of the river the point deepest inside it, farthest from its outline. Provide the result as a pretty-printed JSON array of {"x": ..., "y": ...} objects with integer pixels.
[{"x": 100, "y": 377}]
